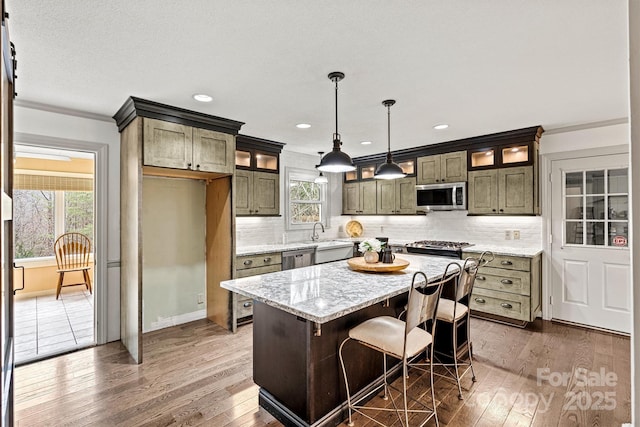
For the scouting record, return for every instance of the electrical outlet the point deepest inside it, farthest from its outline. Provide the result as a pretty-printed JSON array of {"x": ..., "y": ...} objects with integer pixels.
[
  {"x": 507, "y": 234},
  {"x": 200, "y": 298},
  {"x": 516, "y": 234}
]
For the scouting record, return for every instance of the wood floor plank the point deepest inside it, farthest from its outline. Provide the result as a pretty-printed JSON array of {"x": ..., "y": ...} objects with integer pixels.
[{"x": 199, "y": 374}]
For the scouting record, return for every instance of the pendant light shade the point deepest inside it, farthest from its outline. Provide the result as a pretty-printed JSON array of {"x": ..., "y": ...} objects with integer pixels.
[
  {"x": 389, "y": 169},
  {"x": 336, "y": 161},
  {"x": 321, "y": 179}
]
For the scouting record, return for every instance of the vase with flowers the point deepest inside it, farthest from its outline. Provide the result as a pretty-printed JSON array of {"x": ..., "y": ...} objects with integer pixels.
[{"x": 370, "y": 249}]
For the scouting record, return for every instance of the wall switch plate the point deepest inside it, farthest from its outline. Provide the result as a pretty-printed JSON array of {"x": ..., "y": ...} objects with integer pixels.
[
  {"x": 516, "y": 234},
  {"x": 507, "y": 235},
  {"x": 200, "y": 298}
]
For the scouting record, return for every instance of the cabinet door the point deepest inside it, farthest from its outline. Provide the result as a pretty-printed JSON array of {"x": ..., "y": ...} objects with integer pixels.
[
  {"x": 515, "y": 190},
  {"x": 351, "y": 198},
  {"x": 213, "y": 151},
  {"x": 386, "y": 197},
  {"x": 368, "y": 197},
  {"x": 483, "y": 192},
  {"x": 266, "y": 193},
  {"x": 405, "y": 189},
  {"x": 453, "y": 167},
  {"x": 168, "y": 145},
  {"x": 428, "y": 169},
  {"x": 243, "y": 192}
]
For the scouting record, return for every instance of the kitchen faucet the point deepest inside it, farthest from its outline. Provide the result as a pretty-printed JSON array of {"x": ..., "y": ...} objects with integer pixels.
[{"x": 314, "y": 235}]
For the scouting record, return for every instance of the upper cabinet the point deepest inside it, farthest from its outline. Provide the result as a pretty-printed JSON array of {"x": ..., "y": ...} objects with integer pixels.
[
  {"x": 257, "y": 163},
  {"x": 177, "y": 146},
  {"x": 447, "y": 167},
  {"x": 397, "y": 196},
  {"x": 507, "y": 191},
  {"x": 359, "y": 198}
]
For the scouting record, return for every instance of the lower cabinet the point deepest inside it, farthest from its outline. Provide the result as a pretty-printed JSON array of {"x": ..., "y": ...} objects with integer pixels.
[
  {"x": 509, "y": 286},
  {"x": 251, "y": 265}
]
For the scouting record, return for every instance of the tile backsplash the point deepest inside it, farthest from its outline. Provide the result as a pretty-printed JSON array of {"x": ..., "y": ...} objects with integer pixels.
[{"x": 454, "y": 225}]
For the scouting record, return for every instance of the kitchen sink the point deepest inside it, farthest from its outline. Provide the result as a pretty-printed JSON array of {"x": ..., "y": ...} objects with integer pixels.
[{"x": 333, "y": 250}]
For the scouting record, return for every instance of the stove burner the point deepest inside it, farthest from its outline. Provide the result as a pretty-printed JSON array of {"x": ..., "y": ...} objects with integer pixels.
[{"x": 438, "y": 244}]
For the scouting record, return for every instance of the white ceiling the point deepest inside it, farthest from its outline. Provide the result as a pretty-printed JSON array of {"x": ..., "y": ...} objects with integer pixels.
[{"x": 480, "y": 66}]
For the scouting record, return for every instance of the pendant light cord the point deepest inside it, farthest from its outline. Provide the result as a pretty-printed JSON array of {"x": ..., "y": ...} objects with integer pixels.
[
  {"x": 389, "y": 128},
  {"x": 337, "y": 134}
]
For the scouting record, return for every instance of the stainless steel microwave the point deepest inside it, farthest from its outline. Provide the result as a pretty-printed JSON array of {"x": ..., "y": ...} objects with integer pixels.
[{"x": 441, "y": 197}]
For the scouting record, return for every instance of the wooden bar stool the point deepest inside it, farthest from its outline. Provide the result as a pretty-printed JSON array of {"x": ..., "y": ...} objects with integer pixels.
[
  {"x": 455, "y": 312},
  {"x": 403, "y": 340}
]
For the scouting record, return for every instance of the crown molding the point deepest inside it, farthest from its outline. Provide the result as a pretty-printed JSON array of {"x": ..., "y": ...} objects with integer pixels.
[{"x": 33, "y": 105}]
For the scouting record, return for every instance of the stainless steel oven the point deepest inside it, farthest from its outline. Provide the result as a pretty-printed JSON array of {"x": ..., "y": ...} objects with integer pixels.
[{"x": 441, "y": 197}]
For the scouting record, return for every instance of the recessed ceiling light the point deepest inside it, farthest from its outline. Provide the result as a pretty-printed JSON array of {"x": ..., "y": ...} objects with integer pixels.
[
  {"x": 366, "y": 143},
  {"x": 303, "y": 125},
  {"x": 201, "y": 97},
  {"x": 441, "y": 126}
]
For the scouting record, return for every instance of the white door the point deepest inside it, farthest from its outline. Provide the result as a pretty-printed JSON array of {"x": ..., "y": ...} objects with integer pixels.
[{"x": 591, "y": 277}]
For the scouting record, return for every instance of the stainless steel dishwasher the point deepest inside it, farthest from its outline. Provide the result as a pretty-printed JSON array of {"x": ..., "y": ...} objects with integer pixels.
[{"x": 298, "y": 258}]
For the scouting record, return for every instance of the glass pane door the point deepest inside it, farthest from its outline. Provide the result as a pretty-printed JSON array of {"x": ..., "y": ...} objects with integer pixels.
[{"x": 596, "y": 205}]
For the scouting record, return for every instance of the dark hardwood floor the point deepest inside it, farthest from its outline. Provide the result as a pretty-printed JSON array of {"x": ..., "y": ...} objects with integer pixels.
[{"x": 200, "y": 374}]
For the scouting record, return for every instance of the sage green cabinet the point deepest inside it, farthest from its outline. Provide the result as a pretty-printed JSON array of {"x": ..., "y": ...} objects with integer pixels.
[
  {"x": 396, "y": 196},
  {"x": 176, "y": 146},
  {"x": 448, "y": 167},
  {"x": 257, "y": 193},
  {"x": 505, "y": 191},
  {"x": 359, "y": 198},
  {"x": 508, "y": 286}
]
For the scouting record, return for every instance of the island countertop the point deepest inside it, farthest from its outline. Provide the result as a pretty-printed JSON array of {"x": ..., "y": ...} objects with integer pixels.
[{"x": 324, "y": 292}]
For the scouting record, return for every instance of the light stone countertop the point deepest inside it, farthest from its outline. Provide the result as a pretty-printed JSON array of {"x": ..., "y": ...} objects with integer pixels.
[
  {"x": 324, "y": 292},
  {"x": 529, "y": 252},
  {"x": 283, "y": 247}
]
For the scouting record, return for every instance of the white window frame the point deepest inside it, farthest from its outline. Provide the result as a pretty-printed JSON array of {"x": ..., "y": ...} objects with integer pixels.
[{"x": 296, "y": 174}]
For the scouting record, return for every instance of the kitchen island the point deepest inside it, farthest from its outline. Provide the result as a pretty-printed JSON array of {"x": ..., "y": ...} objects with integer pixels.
[{"x": 300, "y": 318}]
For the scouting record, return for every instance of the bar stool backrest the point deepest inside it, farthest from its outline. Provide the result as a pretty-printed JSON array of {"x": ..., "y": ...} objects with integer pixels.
[
  {"x": 468, "y": 274},
  {"x": 423, "y": 300}
]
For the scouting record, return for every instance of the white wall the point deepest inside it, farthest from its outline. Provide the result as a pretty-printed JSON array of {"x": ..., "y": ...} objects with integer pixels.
[
  {"x": 556, "y": 141},
  {"x": 100, "y": 130},
  {"x": 174, "y": 265}
]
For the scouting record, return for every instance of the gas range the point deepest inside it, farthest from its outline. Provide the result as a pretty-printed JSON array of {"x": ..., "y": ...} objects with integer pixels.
[{"x": 437, "y": 248}]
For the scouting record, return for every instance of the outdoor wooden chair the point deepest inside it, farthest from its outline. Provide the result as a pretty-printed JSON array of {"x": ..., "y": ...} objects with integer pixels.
[{"x": 72, "y": 254}]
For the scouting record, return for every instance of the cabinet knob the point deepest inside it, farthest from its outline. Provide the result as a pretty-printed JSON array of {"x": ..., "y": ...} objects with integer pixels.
[
  {"x": 481, "y": 278},
  {"x": 480, "y": 300},
  {"x": 247, "y": 304},
  {"x": 506, "y": 305},
  {"x": 189, "y": 165},
  {"x": 198, "y": 167},
  {"x": 437, "y": 180},
  {"x": 501, "y": 210},
  {"x": 442, "y": 180},
  {"x": 248, "y": 262},
  {"x": 256, "y": 211},
  {"x": 267, "y": 259},
  {"x": 506, "y": 262},
  {"x": 493, "y": 210},
  {"x": 506, "y": 282}
]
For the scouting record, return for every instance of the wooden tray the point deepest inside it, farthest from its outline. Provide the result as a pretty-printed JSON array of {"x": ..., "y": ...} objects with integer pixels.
[{"x": 358, "y": 264}]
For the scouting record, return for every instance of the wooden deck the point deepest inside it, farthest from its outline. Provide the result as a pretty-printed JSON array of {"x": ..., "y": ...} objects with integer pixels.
[{"x": 200, "y": 374}]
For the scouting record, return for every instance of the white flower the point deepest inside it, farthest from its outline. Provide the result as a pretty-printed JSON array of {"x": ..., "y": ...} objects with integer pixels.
[{"x": 373, "y": 245}]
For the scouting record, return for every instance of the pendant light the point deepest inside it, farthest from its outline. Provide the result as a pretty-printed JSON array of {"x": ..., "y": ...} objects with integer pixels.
[
  {"x": 336, "y": 161},
  {"x": 389, "y": 170},
  {"x": 321, "y": 179}
]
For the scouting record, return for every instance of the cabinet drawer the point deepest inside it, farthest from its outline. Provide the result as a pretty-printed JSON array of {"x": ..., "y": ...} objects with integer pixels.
[
  {"x": 244, "y": 307},
  {"x": 253, "y": 261},
  {"x": 501, "y": 303},
  {"x": 500, "y": 279},
  {"x": 258, "y": 270},
  {"x": 504, "y": 261}
]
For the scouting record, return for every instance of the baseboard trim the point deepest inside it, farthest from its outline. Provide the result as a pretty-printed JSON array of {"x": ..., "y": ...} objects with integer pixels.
[
  {"x": 166, "y": 322},
  {"x": 592, "y": 328}
]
